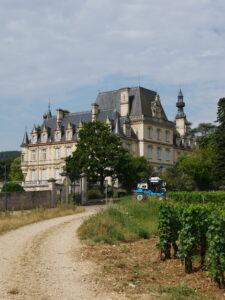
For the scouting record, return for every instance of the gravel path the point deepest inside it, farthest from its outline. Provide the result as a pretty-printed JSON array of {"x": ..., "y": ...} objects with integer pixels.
[{"x": 37, "y": 262}]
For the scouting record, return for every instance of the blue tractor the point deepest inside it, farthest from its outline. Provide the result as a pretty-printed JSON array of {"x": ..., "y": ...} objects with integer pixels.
[{"x": 153, "y": 187}]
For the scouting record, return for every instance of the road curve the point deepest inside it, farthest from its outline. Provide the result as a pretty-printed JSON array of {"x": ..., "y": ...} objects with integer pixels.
[{"x": 37, "y": 262}]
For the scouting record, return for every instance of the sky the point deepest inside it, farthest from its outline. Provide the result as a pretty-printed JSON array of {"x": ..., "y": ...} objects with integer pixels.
[{"x": 67, "y": 51}]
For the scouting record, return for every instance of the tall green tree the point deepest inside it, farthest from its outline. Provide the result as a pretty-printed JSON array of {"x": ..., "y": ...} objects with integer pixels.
[
  {"x": 133, "y": 171},
  {"x": 220, "y": 142},
  {"x": 15, "y": 172},
  {"x": 99, "y": 154},
  {"x": 200, "y": 167}
]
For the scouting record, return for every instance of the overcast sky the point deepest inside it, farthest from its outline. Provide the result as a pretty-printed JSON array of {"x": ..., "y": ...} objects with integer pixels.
[{"x": 67, "y": 51}]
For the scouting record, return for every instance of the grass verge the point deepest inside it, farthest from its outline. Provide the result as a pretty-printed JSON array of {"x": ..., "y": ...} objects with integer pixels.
[
  {"x": 126, "y": 221},
  {"x": 14, "y": 220}
]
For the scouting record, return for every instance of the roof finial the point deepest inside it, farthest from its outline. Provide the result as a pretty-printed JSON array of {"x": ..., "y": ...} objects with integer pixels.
[{"x": 49, "y": 113}]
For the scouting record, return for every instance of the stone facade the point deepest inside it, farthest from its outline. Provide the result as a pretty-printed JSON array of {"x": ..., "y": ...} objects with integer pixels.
[{"x": 134, "y": 114}]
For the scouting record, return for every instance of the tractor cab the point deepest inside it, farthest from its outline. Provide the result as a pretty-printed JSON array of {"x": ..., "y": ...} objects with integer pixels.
[{"x": 153, "y": 186}]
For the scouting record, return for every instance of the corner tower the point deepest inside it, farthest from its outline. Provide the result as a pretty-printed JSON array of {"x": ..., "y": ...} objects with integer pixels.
[{"x": 181, "y": 121}]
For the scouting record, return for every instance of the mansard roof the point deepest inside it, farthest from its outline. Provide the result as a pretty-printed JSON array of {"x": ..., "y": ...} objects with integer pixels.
[
  {"x": 141, "y": 105},
  {"x": 140, "y": 100}
]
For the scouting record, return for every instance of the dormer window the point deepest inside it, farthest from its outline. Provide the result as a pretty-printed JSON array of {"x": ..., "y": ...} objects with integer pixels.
[
  {"x": 68, "y": 134},
  {"x": 57, "y": 136},
  {"x": 44, "y": 137},
  {"x": 34, "y": 138}
]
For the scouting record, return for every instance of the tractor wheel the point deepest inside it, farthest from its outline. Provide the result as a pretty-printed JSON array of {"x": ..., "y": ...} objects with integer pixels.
[{"x": 140, "y": 197}]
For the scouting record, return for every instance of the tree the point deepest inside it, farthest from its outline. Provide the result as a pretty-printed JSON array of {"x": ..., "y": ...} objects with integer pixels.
[
  {"x": 177, "y": 180},
  {"x": 135, "y": 169},
  {"x": 220, "y": 142},
  {"x": 200, "y": 167},
  {"x": 204, "y": 129},
  {"x": 99, "y": 154},
  {"x": 15, "y": 173}
]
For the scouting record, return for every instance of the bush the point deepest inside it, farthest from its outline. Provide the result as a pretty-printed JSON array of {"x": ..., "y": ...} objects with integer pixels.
[
  {"x": 95, "y": 194},
  {"x": 12, "y": 187},
  {"x": 119, "y": 193}
]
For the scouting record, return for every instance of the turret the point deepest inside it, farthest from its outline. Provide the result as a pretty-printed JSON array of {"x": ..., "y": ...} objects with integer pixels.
[
  {"x": 180, "y": 105},
  {"x": 180, "y": 116}
]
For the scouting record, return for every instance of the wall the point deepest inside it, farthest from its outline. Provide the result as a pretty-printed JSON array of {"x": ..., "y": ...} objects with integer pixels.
[{"x": 26, "y": 200}]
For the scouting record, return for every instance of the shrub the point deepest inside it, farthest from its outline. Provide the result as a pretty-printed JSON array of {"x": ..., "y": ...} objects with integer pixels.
[
  {"x": 12, "y": 187},
  {"x": 95, "y": 194}
]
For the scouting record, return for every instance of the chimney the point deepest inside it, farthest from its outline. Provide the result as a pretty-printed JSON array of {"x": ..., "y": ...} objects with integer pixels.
[
  {"x": 61, "y": 113},
  {"x": 124, "y": 102},
  {"x": 94, "y": 111}
]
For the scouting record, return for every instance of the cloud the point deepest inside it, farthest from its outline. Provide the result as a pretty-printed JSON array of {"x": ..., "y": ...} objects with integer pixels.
[{"x": 50, "y": 48}]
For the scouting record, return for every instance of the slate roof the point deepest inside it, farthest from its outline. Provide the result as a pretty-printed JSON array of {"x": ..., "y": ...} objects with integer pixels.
[
  {"x": 139, "y": 97},
  {"x": 140, "y": 100}
]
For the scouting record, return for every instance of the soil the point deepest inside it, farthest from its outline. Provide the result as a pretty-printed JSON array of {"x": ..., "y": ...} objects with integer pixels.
[
  {"x": 135, "y": 270},
  {"x": 37, "y": 262}
]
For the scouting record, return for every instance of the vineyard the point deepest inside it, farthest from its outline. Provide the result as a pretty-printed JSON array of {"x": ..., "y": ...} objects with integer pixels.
[
  {"x": 197, "y": 197},
  {"x": 188, "y": 231}
]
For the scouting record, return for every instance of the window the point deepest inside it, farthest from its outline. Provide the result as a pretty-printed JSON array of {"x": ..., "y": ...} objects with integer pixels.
[
  {"x": 33, "y": 175},
  {"x": 33, "y": 155},
  {"x": 68, "y": 151},
  {"x": 149, "y": 152},
  {"x": 150, "y": 131},
  {"x": 69, "y": 135},
  {"x": 57, "y": 136},
  {"x": 43, "y": 154},
  {"x": 34, "y": 138},
  {"x": 22, "y": 157},
  {"x": 57, "y": 153},
  {"x": 57, "y": 174},
  {"x": 167, "y": 136},
  {"x": 43, "y": 174},
  {"x": 128, "y": 131},
  {"x": 167, "y": 154},
  {"x": 158, "y": 134},
  {"x": 128, "y": 146},
  {"x": 44, "y": 138},
  {"x": 159, "y": 153}
]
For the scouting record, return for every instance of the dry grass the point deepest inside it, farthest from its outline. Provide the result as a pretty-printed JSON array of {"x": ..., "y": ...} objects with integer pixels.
[
  {"x": 135, "y": 269},
  {"x": 14, "y": 291},
  {"x": 14, "y": 220}
]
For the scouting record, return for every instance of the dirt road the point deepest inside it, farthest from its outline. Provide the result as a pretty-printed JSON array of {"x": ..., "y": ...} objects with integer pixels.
[{"x": 37, "y": 262}]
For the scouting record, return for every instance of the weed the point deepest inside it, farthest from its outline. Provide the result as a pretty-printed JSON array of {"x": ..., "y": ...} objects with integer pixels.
[
  {"x": 126, "y": 221},
  {"x": 179, "y": 292}
]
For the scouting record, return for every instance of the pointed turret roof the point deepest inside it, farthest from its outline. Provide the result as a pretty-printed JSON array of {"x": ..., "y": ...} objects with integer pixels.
[
  {"x": 25, "y": 139},
  {"x": 49, "y": 113}
]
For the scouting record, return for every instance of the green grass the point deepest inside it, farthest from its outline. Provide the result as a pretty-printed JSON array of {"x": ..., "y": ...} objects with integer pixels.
[
  {"x": 179, "y": 292},
  {"x": 129, "y": 220}
]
